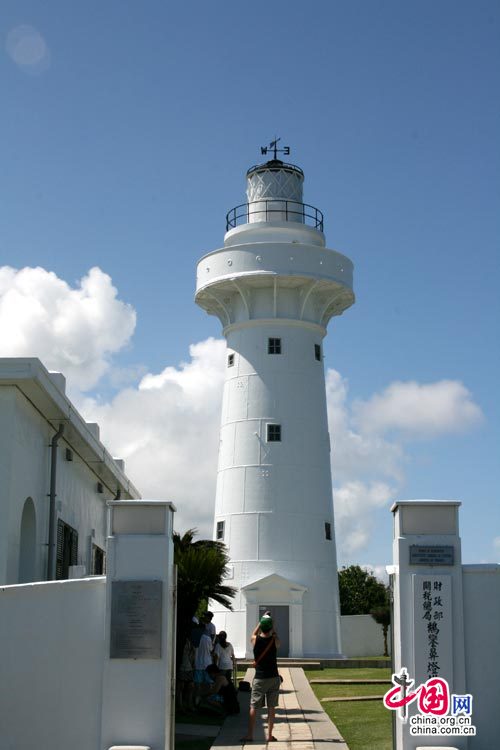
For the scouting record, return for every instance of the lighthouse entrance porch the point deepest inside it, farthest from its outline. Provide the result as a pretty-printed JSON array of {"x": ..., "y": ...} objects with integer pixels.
[
  {"x": 283, "y": 598},
  {"x": 281, "y": 622}
]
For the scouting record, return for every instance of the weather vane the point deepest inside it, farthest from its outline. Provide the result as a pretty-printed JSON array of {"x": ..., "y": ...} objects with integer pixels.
[{"x": 273, "y": 146}]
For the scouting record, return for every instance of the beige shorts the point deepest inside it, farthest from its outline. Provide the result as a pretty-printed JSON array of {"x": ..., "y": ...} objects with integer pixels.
[{"x": 265, "y": 688}]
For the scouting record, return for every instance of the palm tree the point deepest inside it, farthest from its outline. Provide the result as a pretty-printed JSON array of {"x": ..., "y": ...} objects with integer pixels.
[{"x": 201, "y": 569}]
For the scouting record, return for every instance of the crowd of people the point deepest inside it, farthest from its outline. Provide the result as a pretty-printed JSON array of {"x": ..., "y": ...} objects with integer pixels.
[{"x": 205, "y": 679}]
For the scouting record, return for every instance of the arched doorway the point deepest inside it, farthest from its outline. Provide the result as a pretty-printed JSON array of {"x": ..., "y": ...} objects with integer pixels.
[{"x": 27, "y": 543}]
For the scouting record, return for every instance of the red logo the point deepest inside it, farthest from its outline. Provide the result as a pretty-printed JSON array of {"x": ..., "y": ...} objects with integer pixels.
[{"x": 433, "y": 695}]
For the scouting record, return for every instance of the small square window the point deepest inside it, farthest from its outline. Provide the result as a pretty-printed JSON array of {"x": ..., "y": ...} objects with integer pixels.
[
  {"x": 274, "y": 346},
  {"x": 328, "y": 530},
  {"x": 230, "y": 360},
  {"x": 220, "y": 530},
  {"x": 317, "y": 352},
  {"x": 98, "y": 562},
  {"x": 273, "y": 433}
]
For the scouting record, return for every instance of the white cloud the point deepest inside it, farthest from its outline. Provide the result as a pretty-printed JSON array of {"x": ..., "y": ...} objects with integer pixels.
[
  {"x": 355, "y": 453},
  {"x": 379, "y": 571},
  {"x": 366, "y": 470},
  {"x": 71, "y": 330},
  {"x": 167, "y": 427},
  {"x": 419, "y": 410},
  {"x": 196, "y": 377},
  {"x": 167, "y": 430},
  {"x": 356, "y": 504},
  {"x": 369, "y": 440}
]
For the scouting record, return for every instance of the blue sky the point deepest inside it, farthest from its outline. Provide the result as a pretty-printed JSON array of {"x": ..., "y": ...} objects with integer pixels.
[{"x": 127, "y": 129}]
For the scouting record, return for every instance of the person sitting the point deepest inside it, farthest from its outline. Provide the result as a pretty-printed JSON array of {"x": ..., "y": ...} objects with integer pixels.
[{"x": 210, "y": 692}]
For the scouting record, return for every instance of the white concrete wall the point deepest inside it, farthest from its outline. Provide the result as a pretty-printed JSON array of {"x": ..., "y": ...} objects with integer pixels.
[
  {"x": 7, "y": 402},
  {"x": 25, "y": 437},
  {"x": 468, "y": 647},
  {"x": 434, "y": 523},
  {"x": 137, "y": 698},
  {"x": 51, "y": 655},
  {"x": 59, "y": 688},
  {"x": 25, "y": 460},
  {"x": 481, "y": 589},
  {"x": 362, "y": 636}
]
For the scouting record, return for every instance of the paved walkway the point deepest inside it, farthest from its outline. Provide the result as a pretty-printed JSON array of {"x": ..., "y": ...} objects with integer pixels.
[{"x": 301, "y": 723}]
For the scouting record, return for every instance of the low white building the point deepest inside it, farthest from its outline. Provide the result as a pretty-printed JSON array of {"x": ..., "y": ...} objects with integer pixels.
[
  {"x": 55, "y": 479},
  {"x": 88, "y": 664}
]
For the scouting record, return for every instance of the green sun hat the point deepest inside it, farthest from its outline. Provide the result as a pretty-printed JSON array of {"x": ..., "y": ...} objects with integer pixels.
[{"x": 266, "y": 623}]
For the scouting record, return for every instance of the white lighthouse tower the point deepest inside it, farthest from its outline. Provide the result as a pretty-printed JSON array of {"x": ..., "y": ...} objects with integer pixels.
[{"x": 274, "y": 286}]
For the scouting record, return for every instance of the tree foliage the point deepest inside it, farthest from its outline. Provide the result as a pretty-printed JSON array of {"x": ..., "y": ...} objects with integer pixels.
[
  {"x": 360, "y": 592},
  {"x": 382, "y": 616},
  {"x": 201, "y": 570}
]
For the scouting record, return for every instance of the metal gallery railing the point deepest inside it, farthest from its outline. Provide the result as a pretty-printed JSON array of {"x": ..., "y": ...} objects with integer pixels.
[{"x": 274, "y": 209}]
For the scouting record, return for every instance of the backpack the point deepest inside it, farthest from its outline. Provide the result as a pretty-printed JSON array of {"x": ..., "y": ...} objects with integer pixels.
[{"x": 230, "y": 698}]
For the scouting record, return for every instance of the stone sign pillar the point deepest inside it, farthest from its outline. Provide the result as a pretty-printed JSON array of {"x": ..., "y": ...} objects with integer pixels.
[
  {"x": 428, "y": 623},
  {"x": 139, "y": 661}
]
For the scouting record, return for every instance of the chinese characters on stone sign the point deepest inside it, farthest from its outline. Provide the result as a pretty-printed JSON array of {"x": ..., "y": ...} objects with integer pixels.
[
  {"x": 431, "y": 622},
  {"x": 432, "y": 607}
]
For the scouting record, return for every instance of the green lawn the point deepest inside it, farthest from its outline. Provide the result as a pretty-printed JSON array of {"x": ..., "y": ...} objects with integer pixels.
[
  {"x": 331, "y": 691},
  {"x": 365, "y": 725},
  {"x": 373, "y": 658}
]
